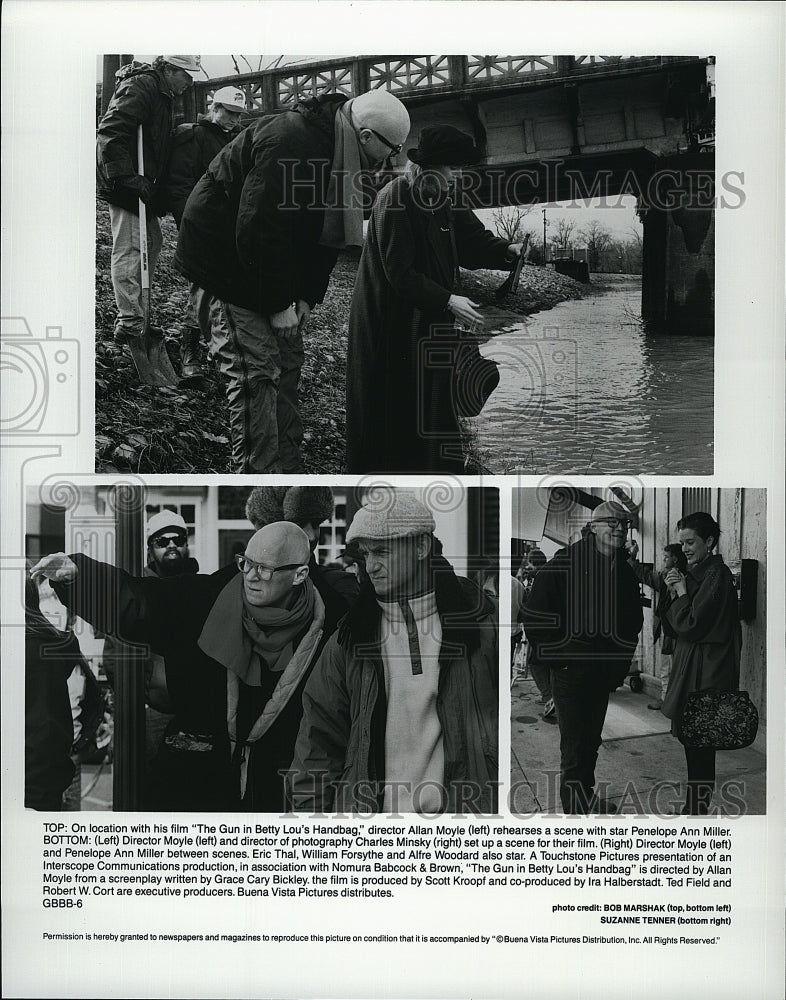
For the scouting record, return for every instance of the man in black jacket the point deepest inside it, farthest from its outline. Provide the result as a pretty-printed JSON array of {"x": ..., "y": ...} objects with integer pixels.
[
  {"x": 583, "y": 618},
  {"x": 260, "y": 233},
  {"x": 194, "y": 144},
  {"x": 144, "y": 96},
  {"x": 238, "y": 648}
]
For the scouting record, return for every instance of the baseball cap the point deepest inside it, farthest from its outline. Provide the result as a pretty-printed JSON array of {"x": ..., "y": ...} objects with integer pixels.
[
  {"x": 191, "y": 64},
  {"x": 231, "y": 98}
]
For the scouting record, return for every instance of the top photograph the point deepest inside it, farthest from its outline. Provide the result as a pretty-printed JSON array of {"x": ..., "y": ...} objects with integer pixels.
[{"x": 462, "y": 264}]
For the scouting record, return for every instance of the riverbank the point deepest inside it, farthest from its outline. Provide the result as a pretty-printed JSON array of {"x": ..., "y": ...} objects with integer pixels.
[{"x": 147, "y": 430}]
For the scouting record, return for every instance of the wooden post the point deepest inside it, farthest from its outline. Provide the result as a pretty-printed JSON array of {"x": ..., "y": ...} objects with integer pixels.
[
  {"x": 129, "y": 763},
  {"x": 111, "y": 65}
]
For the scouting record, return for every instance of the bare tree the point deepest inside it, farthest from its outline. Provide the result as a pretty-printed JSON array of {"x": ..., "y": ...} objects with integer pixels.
[
  {"x": 509, "y": 222},
  {"x": 597, "y": 238},
  {"x": 563, "y": 229}
]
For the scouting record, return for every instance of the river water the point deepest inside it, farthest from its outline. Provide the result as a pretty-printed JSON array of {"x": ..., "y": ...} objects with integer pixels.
[{"x": 585, "y": 390}]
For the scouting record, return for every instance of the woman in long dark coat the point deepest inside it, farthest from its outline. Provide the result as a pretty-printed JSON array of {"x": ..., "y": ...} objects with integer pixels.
[
  {"x": 402, "y": 339},
  {"x": 705, "y": 619}
]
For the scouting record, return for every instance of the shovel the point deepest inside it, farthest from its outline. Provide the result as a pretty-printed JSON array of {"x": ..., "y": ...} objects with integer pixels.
[
  {"x": 511, "y": 283},
  {"x": 148, "y": 351}
]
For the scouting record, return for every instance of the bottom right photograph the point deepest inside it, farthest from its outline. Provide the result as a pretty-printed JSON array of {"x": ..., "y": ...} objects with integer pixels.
[{"x": 638, "y": 651}]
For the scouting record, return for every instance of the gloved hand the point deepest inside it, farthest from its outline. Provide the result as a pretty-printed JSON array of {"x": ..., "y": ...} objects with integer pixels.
[{"x": 141, "y": 186}]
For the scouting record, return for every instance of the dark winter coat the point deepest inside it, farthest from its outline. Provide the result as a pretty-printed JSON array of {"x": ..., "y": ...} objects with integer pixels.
[
  {"x": 709, "y": 637},
  {"x": 400, "y": 414},
  {"x": 584, "y": 608},
  {"x": 342, "y": 735},
  {"x": 143, "y": 97},
  {"x": 50, "y": 657},
  {"x": 194, "y": 145},
  {"x": 155, "y": 673},
  {"x": 251, "y": 227},
  {"x": 169, "y": 616}
]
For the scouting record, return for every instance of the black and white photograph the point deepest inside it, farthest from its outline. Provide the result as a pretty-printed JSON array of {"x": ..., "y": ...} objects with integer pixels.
[
  {"x": 393, "y": 566},
  {"x": 406, "y": 264},
  {"x": 639, "y": 666},
  {"x": 265, "y": 649}
]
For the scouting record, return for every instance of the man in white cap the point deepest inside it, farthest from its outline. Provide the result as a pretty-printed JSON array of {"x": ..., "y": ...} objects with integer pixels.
[
  {"x": 400, "y": 714},
  {"x": 168, "y": 556},
  {"x": 194, "y": 144},
  {"x": 260, "y": 233},
  {"x": 583, "y": 618},
  {"x": 238, "y": 647},
  {"x": 144, "y": 96}
]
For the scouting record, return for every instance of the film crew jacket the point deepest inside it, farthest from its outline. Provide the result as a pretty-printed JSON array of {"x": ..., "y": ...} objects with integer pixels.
[
  {"x": 250, "y": 231},
  {"x": 193, "y": 146},
  {"x": 339, "y": 759},
  {"x": 584, "y": 609},
  {"x": 141, "y": 97},
  {"x": 196, "y": 768}
]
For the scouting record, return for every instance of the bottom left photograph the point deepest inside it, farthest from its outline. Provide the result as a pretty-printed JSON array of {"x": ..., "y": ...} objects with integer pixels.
[{"x": 269, "y": 649}]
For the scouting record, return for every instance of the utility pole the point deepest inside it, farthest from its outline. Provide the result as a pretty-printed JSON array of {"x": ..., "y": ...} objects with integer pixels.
[{"x": 544, "y": 237}]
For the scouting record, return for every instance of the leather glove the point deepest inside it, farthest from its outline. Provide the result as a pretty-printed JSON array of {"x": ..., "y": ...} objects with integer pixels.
[{"x": 141, "y": 186}]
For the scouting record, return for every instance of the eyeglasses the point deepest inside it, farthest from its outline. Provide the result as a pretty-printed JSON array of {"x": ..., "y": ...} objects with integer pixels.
[
  {"x": 248, "y": 566},
  {"x": 164, "y": 541},
  {"x": 394, "y": 150},
  {"x": 614, "y": 521}
]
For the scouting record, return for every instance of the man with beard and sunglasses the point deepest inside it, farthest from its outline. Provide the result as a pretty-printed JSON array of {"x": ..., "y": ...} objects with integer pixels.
[
  {"x": 168, "y": 556},
  {"x": 260, "y": 233},
  {"x": 238, "y": 647},
  {"x": 583, "y": 617}
]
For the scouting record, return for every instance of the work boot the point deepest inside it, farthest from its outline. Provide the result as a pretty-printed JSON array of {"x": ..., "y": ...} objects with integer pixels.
[{"x": 191, "y": 365}]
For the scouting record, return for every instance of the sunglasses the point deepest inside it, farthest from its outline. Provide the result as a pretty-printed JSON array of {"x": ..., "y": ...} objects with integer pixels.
[
  {"x": 614, "y": 521},
  {"x": 394, "y": 150},
  {"x": 265, "y": 573},
  {"x": 164, "y": 541}
]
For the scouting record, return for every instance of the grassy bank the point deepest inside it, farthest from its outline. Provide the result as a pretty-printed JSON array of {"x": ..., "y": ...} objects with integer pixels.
[{"x": 147, "y": 430}]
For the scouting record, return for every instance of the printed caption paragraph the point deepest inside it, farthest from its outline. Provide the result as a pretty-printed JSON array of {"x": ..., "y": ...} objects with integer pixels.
[{"x": 82, "y": 862}]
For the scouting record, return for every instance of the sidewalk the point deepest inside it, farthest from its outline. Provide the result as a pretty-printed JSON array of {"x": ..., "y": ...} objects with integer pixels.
[{"x": 641, "y": 767}]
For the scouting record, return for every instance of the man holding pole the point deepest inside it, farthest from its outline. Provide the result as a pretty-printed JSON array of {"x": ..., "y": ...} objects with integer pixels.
[{"x": 139, "y": 119}]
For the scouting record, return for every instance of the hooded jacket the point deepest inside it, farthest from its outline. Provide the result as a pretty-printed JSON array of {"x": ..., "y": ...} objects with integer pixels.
[
  {"x": 142, "y": 97},
  {"x": 585, "y": 609},
  {"x": 250, "y": 231},
  {"x": 339, "y": 759},
  {"x": 197, "y": 768}
]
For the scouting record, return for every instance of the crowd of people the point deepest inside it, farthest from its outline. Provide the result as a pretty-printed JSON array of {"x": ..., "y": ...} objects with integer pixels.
[
  {"x": 262, "y": 212},
  {"x": 274, "y": 684},
  {"x": 582, "y": 618}
]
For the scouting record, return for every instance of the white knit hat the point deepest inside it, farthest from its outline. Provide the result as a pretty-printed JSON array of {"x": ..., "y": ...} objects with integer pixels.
[
  {"x": 391, "y": 513},
  {"x": 165, "y": 519}
]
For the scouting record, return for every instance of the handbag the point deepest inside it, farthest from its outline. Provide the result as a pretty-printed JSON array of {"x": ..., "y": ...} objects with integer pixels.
[
  {"x": 474, "y": 379},
  {"x": 719, "y": 720}
]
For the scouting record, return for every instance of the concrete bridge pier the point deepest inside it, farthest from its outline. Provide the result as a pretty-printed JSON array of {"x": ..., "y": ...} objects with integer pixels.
[{"x": 678, "y": 265}]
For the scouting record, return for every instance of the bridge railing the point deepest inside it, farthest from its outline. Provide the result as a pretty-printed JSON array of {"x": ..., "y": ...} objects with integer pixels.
[{"x": 411, "y": 77}]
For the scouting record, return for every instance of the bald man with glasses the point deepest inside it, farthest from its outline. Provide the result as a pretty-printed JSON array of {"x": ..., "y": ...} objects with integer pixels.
[
  {"x": 238, "y": 647},
  {"x": 583, "y": 617}
]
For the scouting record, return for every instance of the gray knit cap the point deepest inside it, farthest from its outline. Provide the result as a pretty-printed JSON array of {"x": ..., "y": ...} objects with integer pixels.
[
  {"x": 299, "y": 504},
  {"x": 391, "y": 513}
]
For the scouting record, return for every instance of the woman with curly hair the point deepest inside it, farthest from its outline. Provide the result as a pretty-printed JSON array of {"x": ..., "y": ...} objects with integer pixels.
[{"x": 704, "y": 616}]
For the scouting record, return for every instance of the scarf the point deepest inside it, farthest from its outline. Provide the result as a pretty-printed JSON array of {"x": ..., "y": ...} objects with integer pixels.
[
  {"x": 244, "y": 639},
  {"x": 343, "y": 225}
]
